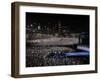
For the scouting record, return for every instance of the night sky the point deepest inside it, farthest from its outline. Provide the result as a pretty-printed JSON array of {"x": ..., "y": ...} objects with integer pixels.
[{"x": 76, "y": 23}]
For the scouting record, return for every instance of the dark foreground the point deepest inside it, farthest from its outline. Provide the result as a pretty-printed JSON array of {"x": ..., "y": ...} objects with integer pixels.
[{"x": 36, "y": 57}]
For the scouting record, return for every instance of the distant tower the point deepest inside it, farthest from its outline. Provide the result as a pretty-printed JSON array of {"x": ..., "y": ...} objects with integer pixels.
[
  {"x": 59, "y": 28},
  {"x": 39, "y": 27}
]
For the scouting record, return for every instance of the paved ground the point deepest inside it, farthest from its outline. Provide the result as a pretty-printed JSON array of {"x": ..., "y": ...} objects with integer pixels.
[{"x": 55, "y": 41}]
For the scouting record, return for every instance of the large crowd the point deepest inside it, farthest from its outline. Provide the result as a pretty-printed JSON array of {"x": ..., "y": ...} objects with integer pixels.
[{"x": 34, "y": 58}]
